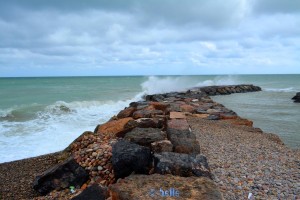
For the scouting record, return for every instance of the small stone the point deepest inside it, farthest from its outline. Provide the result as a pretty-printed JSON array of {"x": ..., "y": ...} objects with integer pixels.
[{"x": 99, "y": 168}]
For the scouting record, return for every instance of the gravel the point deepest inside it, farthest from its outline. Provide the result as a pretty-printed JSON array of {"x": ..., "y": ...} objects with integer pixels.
[
  {"x": 16, "y": 178},
  {"x": 244, "y": 160}
]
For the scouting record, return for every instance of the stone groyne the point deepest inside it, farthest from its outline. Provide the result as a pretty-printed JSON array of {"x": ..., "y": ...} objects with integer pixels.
[{"x": 147, "y": 150}]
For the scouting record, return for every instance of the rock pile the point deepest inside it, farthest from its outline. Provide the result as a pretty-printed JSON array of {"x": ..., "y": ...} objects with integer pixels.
[{"x": 151, "y": 136}]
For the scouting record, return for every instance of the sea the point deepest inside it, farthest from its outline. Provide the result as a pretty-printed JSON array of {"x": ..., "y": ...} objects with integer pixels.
[{"x": 41, "y": 115}]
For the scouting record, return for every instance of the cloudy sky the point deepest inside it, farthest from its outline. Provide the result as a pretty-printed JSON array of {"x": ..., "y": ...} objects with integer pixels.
[{"x": 153, "y": 37}]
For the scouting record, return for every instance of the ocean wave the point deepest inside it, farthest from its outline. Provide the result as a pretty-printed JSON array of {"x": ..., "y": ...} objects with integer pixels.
[
  {"x": 289, "y": 89},
  {"x": 155, "y": 85}
]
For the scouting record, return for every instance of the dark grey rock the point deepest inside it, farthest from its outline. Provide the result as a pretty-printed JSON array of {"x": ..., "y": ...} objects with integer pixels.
[
  {"x": 145, "y": 136},
  {"x": 162, "y": 146},
  {"x": 128, "y": 157},
  {"x": 213, "y": 117},
  {"x": 181, "y": 164},
  {"x": 63, "y": 175},
  {"x": 296, "y": 98},
  {"x": 93, "y": 192}
]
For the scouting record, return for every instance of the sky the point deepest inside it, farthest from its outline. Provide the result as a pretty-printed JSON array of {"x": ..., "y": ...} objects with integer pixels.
[{"x": 153, "y": 37}]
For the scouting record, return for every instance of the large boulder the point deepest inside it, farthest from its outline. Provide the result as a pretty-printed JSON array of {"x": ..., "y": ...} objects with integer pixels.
[
  {"x": 181, "y": 164},
  {"x": 181, "y": 136},
  {"x": 63, "y": 175},
  {"x": 179, "y": 128},
  {"x": 146, "y": 113},
  {"x": 93, "y": 192},
  {"x": 156, "y": 186},
  {"x": 145, "y": 136},
  {"x": 128, "y": 157},
  {"x": 115, "y": 127},
  {"x": 296, "y": 98}
]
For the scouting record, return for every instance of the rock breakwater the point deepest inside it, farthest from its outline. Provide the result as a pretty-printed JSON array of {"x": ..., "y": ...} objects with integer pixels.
[{"x": 149, "y": 137}]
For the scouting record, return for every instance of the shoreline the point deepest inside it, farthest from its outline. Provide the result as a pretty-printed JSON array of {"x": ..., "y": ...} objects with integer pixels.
[{"x": 212, "y": 116}]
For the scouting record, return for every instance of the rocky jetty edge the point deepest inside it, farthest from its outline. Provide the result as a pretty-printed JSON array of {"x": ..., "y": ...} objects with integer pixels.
[{"x": 150, "y": 150}]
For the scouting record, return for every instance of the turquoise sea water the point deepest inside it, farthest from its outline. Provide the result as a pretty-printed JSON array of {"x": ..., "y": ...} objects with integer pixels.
[{"x": 43, "y": 115}]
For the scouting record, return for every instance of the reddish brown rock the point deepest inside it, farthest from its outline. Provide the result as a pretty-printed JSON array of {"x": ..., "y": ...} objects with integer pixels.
[
  {"x": 225, "y": 116},
  {"x": 241, "y": 121},
  {"x": 187, "y": 108},
  {"x": 149, "y": 187},
  {"x": 116, "y": 127},
  {"x": 177, "y": 115},
  {"x": 178, "y": 124},
  {"x": 160, "y": 106},
  {"x": 127, "y": 112}
]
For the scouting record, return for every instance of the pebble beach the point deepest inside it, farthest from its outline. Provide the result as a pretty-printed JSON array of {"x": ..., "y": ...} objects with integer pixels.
[{"x": 244, "y": 160}]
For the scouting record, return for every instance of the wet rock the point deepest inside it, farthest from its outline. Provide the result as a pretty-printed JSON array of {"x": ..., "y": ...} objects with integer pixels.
[
  {"x": 93, "y": 192},
  {"x": 128, "y": 157},
  {"x": 296, "y": 98},
  {"x": 127, "y": 112},
  {"x": 149, "y": 187},
  {"x": 145, "y": 136},
  {"x": 116, "y": 127},
  {"x": 181, "y": 164},
  {"x": 63, "y": 175},
  {"x": 162, "y": 146}
]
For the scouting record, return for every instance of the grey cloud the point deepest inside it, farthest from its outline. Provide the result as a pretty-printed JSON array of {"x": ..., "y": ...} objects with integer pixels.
[
  {"x": 276, "y": 6},
  {"x": 145, "y": 35}
]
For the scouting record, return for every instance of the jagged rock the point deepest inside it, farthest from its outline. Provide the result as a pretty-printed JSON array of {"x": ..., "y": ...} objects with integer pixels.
[
  {"x": 61, "y": 176},
  {"x": 149, "y": 187},
  {"x": 116, "y": 127},
  {"x": 181, "y": 164},
  {"x": 296, "y": 98},
  {"x": 146, "y": 123},
  {"x": 127, "y": 112},
  {"x": 128, "y": 157},
  {"x": 162, "y": 146},
  {"x": 145, "y": 136},
  {"x": 93, "y": 192}
]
